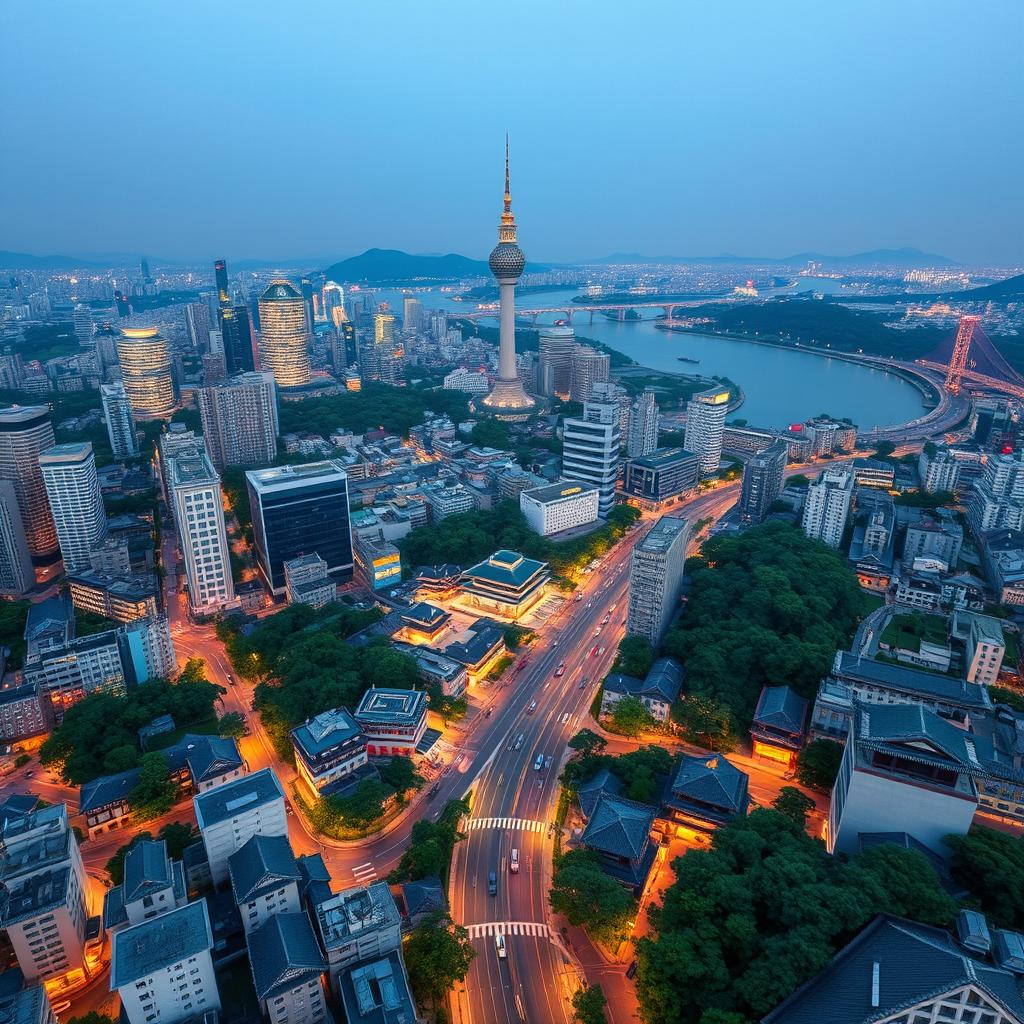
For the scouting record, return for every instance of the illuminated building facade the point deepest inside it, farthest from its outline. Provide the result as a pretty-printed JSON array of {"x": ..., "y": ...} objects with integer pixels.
[
  {"x": 73, "y": 490},
  {"x": 26, "y": 432},
  {"x": 705, "y": 423},
  {"x": 562, "y": 506},
  {"x": 284, "y": 337},
  {"x": 146, "y": 372}
]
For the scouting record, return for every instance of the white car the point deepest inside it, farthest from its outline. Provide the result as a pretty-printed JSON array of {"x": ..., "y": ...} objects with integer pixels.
[{"x": 499, "y": 945}]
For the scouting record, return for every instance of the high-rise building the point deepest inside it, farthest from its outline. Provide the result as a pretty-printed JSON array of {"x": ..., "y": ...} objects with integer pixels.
[
  {"x": 146, "y": 372},
  {"x": 554, "y": 369},
  {"x": 73, "y": 491},
  {"x": 306, "y": 288},
  {"x": 197, "y": 504},
  {"x": 197, "y": 320},
  {"x": 384, "y": 326},
  {"x": 26, "y": 432},
  {"x": 82, "y": 319},
  {"x": 827, "y": 505},
  {"x": 507, "y": 400},
  {"x": 762, "y": 481},
  {"x": 412, "y": 314},
  {"x": 45, "y": 909},
  {"x": 17, "y": 576},
  {"x": 588, "y": 367},
  {"x": 117, "y": 411},
  {"x": 642, "y": 435},
  {"x": 220, "y": 273},
  {"x": 239, "y": 418},
  {"x": 147, "y": 278},
  {"x": 660, "y": 476},
  {"x": 938, "y": 471},
  {"x": 590, "y": 450},
  {"x": 284, "y": 338},
  {"x": 705, "y": 421},
  {"x": 237, "y": 339},
  {"x": 333, "y": 298},
  {"x": 298, "y": 510},
  {"x": 656, "y": 578}
]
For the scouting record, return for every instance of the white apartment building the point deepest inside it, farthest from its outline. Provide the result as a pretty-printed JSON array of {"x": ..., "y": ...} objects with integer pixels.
[
  {"x": 656, "y": 578},
  {"x": 45, "y": 911},
  {"x": 448, "y": 501},
  {"x": 642, "y": 433},
  {"x": 196, "y": 502},
  {"x": 230, "y": 815},
  {"x": 264, "y": 879},
  {"x": 73, "y": 491},
  {"x": 153, "y": 885},
  {"x": 469, "y": 381},
  {"x": 590, "y": 450},
  {"x": 117, "y": 411},
  {"x": 938, "y": 472},
  {"x": 561, "y": 506},
  {"x": 587, "y": 368},
  {"x": 240, "y": 422},
  {"x": 705, "y": 422},
  {"x": 983, "y": 639},
  {"x": 162, "y": 969},
  {"x": 827, "y": 505}
]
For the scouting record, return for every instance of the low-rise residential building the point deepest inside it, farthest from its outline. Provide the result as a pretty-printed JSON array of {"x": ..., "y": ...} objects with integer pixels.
[
  {"x": 777, "y": 730},
  {"x": 104, "y": 802},
  {"x": 265, "y": 879},
  {"x": 153, "y": 885},
  {"x": 559, "y": 506},
  {"x": 162, "y": 968},
  {"x": 984, "y": 646},
  {"x": 507, "y": 584},
  {"x": 708, "y": 791},
  {"x": 307, "y": 581},
  {"x": 200, "y": 763},
  {"x": 25, "y": 713},
  {"x": 921, "y": 589},
  {"x": 330, "y": 750},
  {"x": 658, "y": 691},
  {"x": 287, "y": 966},
  {"x": 933, "y": 537},
  {"x": 1002, "y": 553},
  {"x": 230, "y": 815},
  {"x": 45, "y": 908},
  {"x": 904, "y": 769},
  {"x": 448, "y": 501},
  {"x": 619, "y": 832},
  {"x": 393, "y": 721},
  {"x": 357, "y": 925},
  {"x": 376, "y": 991}
]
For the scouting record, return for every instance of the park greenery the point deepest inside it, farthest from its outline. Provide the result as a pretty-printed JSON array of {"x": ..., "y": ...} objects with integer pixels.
[
  {"x": 765, "y": 908},
  {"x": 817, "y": 765},
  {"x": 767, "y": 607},
  {"x": 589, "y": 898},
  {"x": 376, "y": 406},
  {"x": 588, "y": 1005},
  {"x": 99, "y": 734},
  {"x": 437, "y": 954},
  {"x": 429, "y": 853},
  {"x": 154, "y": 793},
  {"x": 990, "y": 866},
  {"x": 472, "y": 536},
  {"x": 13, "y": 616},
  {"x": 629, "y": 717},
  {"x": 640, "y": 771},
  {"x": 635, "y": 657},
  {"x": 177, "y": 835}
]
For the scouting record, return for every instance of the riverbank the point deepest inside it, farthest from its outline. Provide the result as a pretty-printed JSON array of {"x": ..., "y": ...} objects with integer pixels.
[{"x": 696, "y": 381}]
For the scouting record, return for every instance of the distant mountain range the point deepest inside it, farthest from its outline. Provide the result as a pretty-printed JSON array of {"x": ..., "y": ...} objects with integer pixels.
[
  {"x": 26, "y": 261},
  {"x": 898, "y": 258},
  {"x": 391, "y": 266}
]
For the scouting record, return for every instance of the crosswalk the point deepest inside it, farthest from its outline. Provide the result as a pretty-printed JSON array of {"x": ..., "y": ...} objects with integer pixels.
[
  {"x": 364, "y": 874},
  {"x": 522, "y": 824},
  {"x": 535, "y": 928}
]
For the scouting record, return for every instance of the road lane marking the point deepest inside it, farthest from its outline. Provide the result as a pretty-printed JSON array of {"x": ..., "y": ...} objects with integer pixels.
[
  {"x": 520, "y": 824},
  {"x": 364, "y": 872},
  {"x": 535, "y": 929}
]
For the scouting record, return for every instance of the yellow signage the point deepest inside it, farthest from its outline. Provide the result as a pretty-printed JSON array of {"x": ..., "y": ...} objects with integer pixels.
[
  {"x": 722, "y": 396},
  {"x": 570, "y": 490}
]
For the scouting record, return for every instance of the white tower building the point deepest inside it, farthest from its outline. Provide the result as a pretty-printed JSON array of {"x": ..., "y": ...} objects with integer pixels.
[{"x": 73, "y": 490}]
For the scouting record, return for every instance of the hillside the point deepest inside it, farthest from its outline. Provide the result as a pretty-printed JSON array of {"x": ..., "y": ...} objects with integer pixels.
[
  {"x": 1011, "y": 289},
  {"x": 391, "y": 266}
]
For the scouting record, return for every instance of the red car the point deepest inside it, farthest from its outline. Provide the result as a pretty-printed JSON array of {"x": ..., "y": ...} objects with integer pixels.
[
  {"x": 560, "y": 671},
  {"x": 593, "y": 651}
]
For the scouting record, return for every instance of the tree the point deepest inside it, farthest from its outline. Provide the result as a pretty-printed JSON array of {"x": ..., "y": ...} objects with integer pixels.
[
  {"x": 400, "y": 774},
  {"x": 588, "y": 1005},
  {"x": 587, "y": 897},
  {"x": 794, "y": 804},
  {"x": 92, "y": 1017},
  {"x": 884, "y": 449},
  {"x": 154, "y": 793},
  {"x": 640, "y": 771},
  {"x": 231, "y": 725},
  {"x": 705, "y": 721},
  {"x": 429, "y": 852},
  {"x": 437, "y": 955},
  {"x": 488, "y": 433},
  {"x": 990, "y": 865},
  {"x": 635, "y": 657},
  {"x": 630, "y": 716},
  {"x": 363, "y": 807},
  {"x": 817, "y": 765},
  {"x": 587, "y": 742}
]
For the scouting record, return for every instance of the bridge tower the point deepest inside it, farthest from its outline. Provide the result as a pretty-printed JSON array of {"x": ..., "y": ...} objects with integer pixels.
[{"x": 961, "y": 347}]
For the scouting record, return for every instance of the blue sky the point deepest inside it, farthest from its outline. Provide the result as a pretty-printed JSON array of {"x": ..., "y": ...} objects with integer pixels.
[{"x": 195, "y": 129}]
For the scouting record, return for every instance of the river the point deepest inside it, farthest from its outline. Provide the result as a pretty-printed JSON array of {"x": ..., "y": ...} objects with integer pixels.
[{"x": 782, "y": 386}]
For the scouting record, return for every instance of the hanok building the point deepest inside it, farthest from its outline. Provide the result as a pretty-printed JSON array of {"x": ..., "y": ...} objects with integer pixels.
[
  {"x": 437, "y": 582},
  {"x": 478, "y": 648},
  {"x": 423, "y": 623},
  {"x": 507, "y": 584},
  {"x": 619, "y": 832},
  {"x": 777, "y": 730},
  {"x": 287, "y": 965},
  {"x": 153, "y": 885},
  {"x": 393, "y": 721},
  {"x": 708, "y": 791},
  {"x": 437, "y": 669},
  {"x": 104, "y": 802},
  {"x": 657, "y": 692},
  {"x": 330, "y": 753},
  {"x": 265, "y": 879}
]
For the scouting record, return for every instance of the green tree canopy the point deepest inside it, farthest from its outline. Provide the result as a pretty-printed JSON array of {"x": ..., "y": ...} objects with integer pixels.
[
  {"x": 794, "y": 804},
  {"x": 817, "y": 765},
  {"x": 630, "y": 716},
  {"x": 635, "y": 657},
  {"x": 231, "y": 725},
  {"x": 587, "y": 897},
  {"x": 437, "y": 955},
  {"x": 588, "y": 1005},
  {"x": 990, "y": 865},
  {"x": 154, "y": 793}
]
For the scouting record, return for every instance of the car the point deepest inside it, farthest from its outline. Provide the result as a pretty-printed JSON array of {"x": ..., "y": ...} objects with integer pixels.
[
  {"x": 631, "y": 970},
  {"x": 597, "y": 631},
  {"x": 594, "y": 650},
  {"x": 499, "y": 945},
  {"x": 533, "y": 707},
  {"x": 513, "y": 861},
  {"x": 29, "y": 773},
  {"x": 600, "y": 650},
  {"x": 565, "y": 718},
  {"x": 578, "y": 598},
  {"x": 613, "y": 606},
  {"x": 492, "y": 883},
  {"x": 560, "y": 671},
  {"x": 539, "y": 763},
  {"x": 434, "y": 790},
  {"x": 547, "y": 762},
  {"x": 519, "y": 741},
  {"x": 583, "y": 683},
  {"x": 606, "y": 620}
]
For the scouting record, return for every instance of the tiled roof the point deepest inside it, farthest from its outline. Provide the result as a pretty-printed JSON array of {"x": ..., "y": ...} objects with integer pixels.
[
  {"x": 914, "y": 963},
  {"x": 854, "y": 669},
  {"x": 325, "y": 732},
  {"x": 781, "y": 708},
  {"x": 283, "y": 953},
  {"x": 147, "y": 870},
  {"x": 618, "y": 826},
  {"x": 264, "y": 862},
  {"x": 508, "y": 568},
  {"x": 106, "y": 789},
  {"x": 380, "y": 704},
  {"x": 424, "y": 896},
  {"x": 712, "y": 779},
  {"x": 589, "y": 792},
  {"x": 148, "y": 947},
  {"x": 913, "y": 732}
]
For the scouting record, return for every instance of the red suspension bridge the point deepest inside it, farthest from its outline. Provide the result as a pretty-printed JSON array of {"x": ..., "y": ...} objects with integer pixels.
[{"x": 971, "y": 358}]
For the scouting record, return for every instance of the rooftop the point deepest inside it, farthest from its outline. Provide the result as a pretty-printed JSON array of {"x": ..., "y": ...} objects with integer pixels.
[
  {"x": 559, "y": 491},
  {"x": 425, "y": 615},
  {"x": 507, "y": 568},
  {"x": 619, "y": 827},
  {"x": 662, "y": 535},
  {"x": 354, "y": 911},
  {"x": 662, "y": 457},
  {"x": 781, "y": 709},
  {"x": 283, "y": 477},
  {"x": 237, "y": 797},
  {"x": 377, "y": 992},
  {"x": 151, "y": 946},
  {"x": 326, "y": 731},
  {"x": 387, "y": 706},
  {"x": 283, "y": 954},
  {"x": 850, "y": 667},
  {"x": 712, "y": 780},
  {"x": 27, "y": 1006},
  {"x": 147, "y": 870},
  {"x": 264, "y": 862},
  {"x": 107, "y": 789}
]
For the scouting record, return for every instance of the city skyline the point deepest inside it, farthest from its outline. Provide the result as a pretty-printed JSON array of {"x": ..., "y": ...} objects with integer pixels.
[{"x": 775, "y": 136}]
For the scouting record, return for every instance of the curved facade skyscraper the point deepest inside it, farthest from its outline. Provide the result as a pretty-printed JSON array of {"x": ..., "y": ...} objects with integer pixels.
[
  {"x": 284, "y": 336},
  {"x": 25, "y": 433},
  {"x": 146, "y": 372},
  {"x": 507, "y": 400}
]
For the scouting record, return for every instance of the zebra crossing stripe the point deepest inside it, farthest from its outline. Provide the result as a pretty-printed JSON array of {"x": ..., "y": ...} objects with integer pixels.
[
  {"x": 364, "y": 871},
  {"x": 534, "y": 929},
  {"x": 520, "y": 824}
]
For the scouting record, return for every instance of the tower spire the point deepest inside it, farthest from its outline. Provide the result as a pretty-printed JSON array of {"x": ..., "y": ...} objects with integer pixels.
[{"x": 507, "y": 230}]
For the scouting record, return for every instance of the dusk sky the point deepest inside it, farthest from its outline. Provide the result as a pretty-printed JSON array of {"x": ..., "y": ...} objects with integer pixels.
[{"x": 196, "y": 129}]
